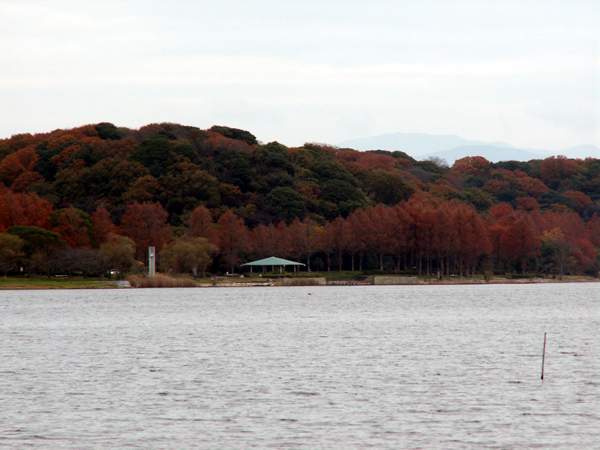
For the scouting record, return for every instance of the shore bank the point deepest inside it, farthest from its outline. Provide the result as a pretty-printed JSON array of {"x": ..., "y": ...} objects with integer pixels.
[{"x": 47, "y": 283}]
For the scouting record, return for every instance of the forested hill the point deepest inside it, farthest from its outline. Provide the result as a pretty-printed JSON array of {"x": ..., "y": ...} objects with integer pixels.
[{"x": 180, "y": 168}]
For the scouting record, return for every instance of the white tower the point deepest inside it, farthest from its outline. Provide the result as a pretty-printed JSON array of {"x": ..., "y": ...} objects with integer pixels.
[{"x": 151, "y": 262}]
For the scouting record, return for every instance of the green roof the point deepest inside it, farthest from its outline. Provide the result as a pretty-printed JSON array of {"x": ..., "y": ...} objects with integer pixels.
[{"x": 273, "y": 261}]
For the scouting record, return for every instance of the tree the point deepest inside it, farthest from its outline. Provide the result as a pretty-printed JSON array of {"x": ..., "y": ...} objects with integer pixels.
[
  {"x": 11, "y": 250},
  {"x": 555, "y": 169},
  {"x": 38, "y": 244},
  {"x": 335, "y": 239},
  {"x": 285, "y": 203},
  {"x": 73, "y": 225},
  {"x": 147, "y": 225},
  {"x": 23, "y": 209},
  {"x": 200, "y": 224},
  {"x": 102, "y": 227},
  {"x": 119, "y": 252},
  {"x": 187, "y": 254},
  {"x": 303, "y": 239},
  {"x": 472, "y": 237},
  {"x": 14, "y": 165},
  {"x": 266, "y": 241},
  {"x": 388, "y": 188},
  {"x": 359, "y": 226},
  {"x": 85, "y": 260},
  {"x": 233, "y": 238}
]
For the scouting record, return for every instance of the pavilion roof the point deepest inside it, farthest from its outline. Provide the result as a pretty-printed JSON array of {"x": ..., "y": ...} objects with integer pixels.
[{"x": 273, "y": 261}]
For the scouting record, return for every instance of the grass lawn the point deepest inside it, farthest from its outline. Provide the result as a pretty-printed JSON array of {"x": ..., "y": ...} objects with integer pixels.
[{"x": 43, "y": 282}]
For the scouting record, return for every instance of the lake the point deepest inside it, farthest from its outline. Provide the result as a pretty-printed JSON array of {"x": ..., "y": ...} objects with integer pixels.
[{"x": 301, "y": 367}]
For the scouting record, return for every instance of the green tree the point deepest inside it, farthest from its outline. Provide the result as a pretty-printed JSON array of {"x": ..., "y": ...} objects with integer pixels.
[
  {"x": 387, "y": 188},
  {"x": 38, "y": 245},
  {"x": 235, "y": 133},
  {"x": 11, "y": 250},
  {"x": 286, "y": 204},
  {"x": 187, "y": 254},
  {"x": 120, "y": 253}
]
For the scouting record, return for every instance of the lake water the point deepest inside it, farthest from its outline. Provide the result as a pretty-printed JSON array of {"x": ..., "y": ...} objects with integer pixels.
[{"x": 344, "y": 367}]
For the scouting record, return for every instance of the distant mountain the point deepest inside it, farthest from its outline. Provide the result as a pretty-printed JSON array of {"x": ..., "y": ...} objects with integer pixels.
[
  {"x": 452, "y": 147},
  {"x": 581, "y": 151},
  {"x": 489, "y": 152},
  {"x": 415, "y": 144}
]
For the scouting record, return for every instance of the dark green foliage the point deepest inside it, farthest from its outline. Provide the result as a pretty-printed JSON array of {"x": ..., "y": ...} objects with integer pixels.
[
  {"x": 481, "y": 200},
  {"x": 386, "y": 187},
  {"x": 36, "y": 239},
  {"x": 432, "y": 167},
  {"x": 332, "y": 170},
  {"x": 107, "y": 130},
  {"x": 183, "y": 167},
  {"x": 554, "y": 198},
  {"x": 235, "y": 133},
  {"x": 286, "y": 203},
  {"x": 512, "y": 166},
  {"x": 395, "y": 154},
  {"x": 154, "y": 153},
  {"x": 336, "y": 191},
  {"x": 186, "y": 186}
]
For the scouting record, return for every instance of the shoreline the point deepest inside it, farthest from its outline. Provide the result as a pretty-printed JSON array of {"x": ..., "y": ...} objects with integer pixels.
[{"x": 52, "y": 284}]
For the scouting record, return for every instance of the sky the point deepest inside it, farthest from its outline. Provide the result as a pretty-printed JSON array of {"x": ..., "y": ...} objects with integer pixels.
[{"x": 522, "y": 72}]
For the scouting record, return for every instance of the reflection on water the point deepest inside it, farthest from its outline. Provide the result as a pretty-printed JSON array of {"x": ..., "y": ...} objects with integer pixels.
[{"x": 353, "y": 367}]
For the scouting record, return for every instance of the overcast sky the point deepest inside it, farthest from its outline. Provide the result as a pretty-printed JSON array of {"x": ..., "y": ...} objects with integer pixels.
[{"x": 522, "y": 72}]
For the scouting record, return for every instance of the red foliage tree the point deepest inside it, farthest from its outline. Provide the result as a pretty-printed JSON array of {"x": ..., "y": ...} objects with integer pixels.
[
  {"x": 555, "y": 169},
  {"x": 24, "y": 209},
  {"x": 593, "y": 230},
  {"x": 335, "y": 239},
  {"x": 302, "y": 239},
  {"x": 71, "y": 225},
  {"x": 15, "y": 164},
  {"x": 472, "y": 237},
  {"x": 199, "y": 223},
  {"x": 358, "y": 226},
  {"x": 102, "y": 227},
  {"x": 147, "y": 225},
  {"x": 233, "y": 238},
  {"x": 265, "y": 241},
  {"x": 471, "y": 166}
]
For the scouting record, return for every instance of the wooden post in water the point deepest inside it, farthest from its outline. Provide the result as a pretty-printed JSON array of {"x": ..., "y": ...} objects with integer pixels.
[{"x": 544, "y": 356}]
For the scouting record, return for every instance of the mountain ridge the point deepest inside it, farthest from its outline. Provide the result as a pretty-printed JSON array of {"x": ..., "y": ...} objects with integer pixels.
[{"x": 453, "y": 147}]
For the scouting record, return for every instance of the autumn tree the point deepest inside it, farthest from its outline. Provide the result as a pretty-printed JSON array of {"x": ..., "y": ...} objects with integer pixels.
[
  {"x": 233, "y": 238},
  {"x": 556, "y": 169},
  {"x": 264, "y": 240},
  {"x": 101, "y": 226},
  {"x": 358, "y": 223},
  {"x": 303, "y": 239},
  {"x": 24, "y": 209},
  {"x": 335, "y": 239},
  {"x": 200, "y": 224},
  {"x": 472, "y": 239},
  {"x": 16, "y": 164},
  {"x": 73, "y": 226},
  {"x": 147, "y": 225}
]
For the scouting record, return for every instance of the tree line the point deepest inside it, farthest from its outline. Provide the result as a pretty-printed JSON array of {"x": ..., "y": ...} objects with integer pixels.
[{"x": 94, "y": 198}]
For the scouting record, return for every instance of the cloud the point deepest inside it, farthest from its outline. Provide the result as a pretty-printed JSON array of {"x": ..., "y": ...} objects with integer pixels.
[{"x": 302, "y": 71}]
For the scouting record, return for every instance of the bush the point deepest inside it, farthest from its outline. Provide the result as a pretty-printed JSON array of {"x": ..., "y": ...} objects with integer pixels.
[{"x": 160, "y": 281}]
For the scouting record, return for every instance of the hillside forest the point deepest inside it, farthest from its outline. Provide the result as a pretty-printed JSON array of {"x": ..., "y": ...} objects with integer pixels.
[{"x": 93, "y": 199}]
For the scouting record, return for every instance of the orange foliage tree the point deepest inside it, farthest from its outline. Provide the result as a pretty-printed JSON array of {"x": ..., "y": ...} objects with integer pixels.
[
  {"x": 233, "y": 238},
  {"x": 146, "y": 224}
]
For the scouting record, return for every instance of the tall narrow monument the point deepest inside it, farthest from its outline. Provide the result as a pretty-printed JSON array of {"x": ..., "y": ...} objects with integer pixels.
[{"x": 151, "y": 262}]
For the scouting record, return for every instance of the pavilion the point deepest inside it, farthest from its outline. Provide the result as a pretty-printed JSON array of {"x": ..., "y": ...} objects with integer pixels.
[{"x": 274, "y": 262}]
